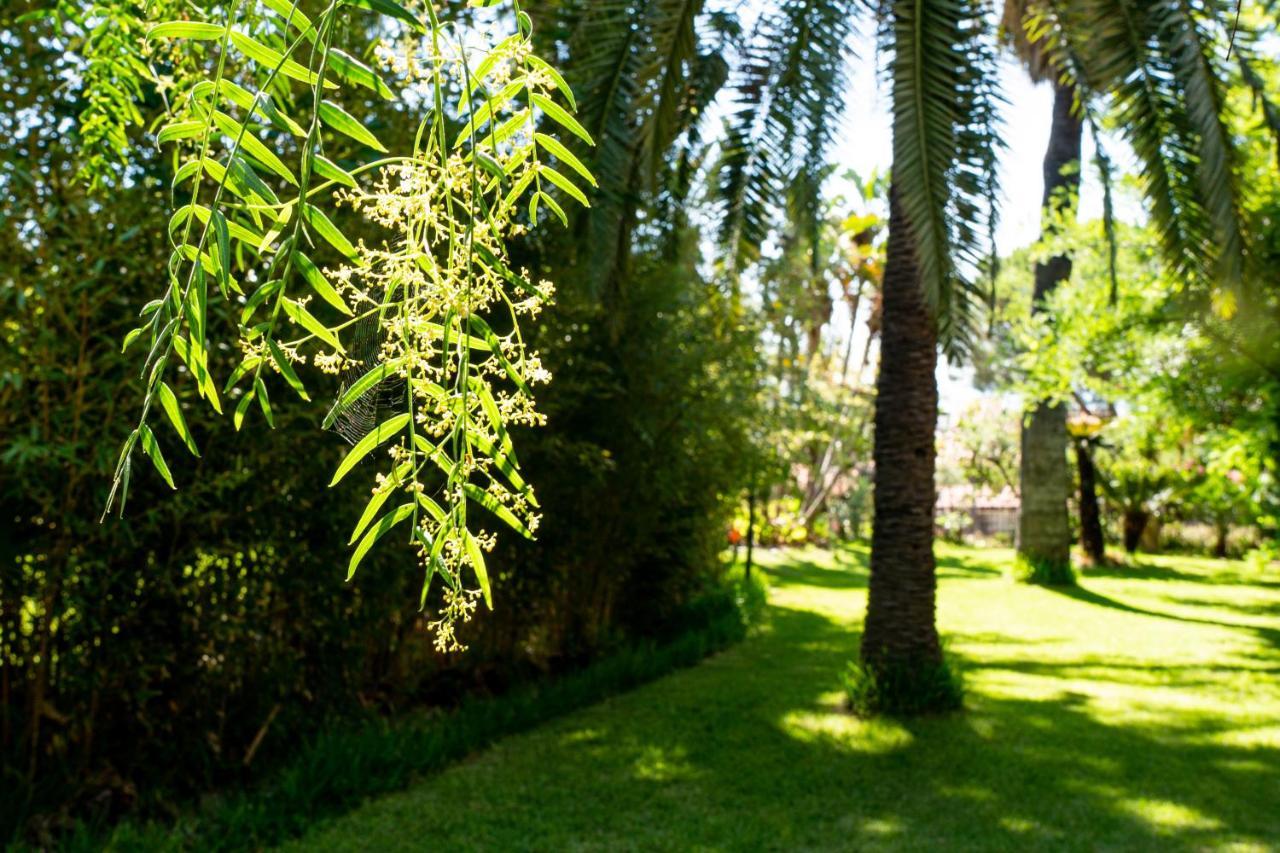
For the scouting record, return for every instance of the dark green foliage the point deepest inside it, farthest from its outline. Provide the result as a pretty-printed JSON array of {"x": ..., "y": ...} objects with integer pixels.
[
  {"x": 344, "y": 765},
  {"x": 903, "y": 689},
  {"x": 1045, "y": 572},
  {"x": 199, "y": 641}
]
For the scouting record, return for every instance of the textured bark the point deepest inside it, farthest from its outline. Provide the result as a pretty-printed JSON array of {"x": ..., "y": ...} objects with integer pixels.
[
  {"x": 900, "y": 628},
  {"x": 1044, "y": 530},
  {"x": 1091, "y": 538}
]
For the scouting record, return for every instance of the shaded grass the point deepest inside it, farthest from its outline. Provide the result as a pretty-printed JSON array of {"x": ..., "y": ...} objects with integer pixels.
[
  {"x": 342, "y": 767},
  {"x": 1089, "y": 726}
]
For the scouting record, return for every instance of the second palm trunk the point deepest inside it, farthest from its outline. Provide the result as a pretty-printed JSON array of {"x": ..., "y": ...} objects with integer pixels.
[{"x": 1044, "y": 530}]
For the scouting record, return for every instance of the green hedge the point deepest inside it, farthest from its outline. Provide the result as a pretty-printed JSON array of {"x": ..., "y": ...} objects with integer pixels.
[{"x": 344, "y": 766}]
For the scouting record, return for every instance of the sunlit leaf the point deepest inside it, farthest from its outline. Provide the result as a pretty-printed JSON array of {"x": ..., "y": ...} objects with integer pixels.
[
  {"x": 148, "y": 441},
  {"x": 372, "y": 439},
  {"x": 169, "y": 402}
]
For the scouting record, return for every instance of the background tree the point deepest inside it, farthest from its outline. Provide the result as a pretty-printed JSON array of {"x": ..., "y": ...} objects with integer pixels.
[{"x": 1044, "y": 533}]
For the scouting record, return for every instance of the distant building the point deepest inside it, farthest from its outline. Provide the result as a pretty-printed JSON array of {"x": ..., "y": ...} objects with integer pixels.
[{"x": 989, "y": 514}]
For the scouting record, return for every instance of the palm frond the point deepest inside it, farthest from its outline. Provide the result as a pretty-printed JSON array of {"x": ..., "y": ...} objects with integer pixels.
[
  {"x": 1157, "y": 61},
  {"x": 643, "y": 83},
  {"x": 789, "y": 97},
  {"x": 944, "y": 143}
]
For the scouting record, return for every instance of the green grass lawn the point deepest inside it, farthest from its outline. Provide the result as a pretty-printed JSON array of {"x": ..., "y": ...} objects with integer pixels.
[{"x": 1138, "y": 711}]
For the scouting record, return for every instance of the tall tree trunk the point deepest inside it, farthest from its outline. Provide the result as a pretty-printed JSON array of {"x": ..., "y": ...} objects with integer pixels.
[
  {"x": 900, "y": 633},
  {"x": 1044, "y": 531},
  {"x": 1091, "y": 538},
  {"x": 1135, "y": 521},
  {"x": 1221, "y": 530}
]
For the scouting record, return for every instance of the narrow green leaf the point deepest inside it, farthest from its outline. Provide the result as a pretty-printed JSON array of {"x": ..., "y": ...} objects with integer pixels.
[
  {"x": 185, "y": 172},
  {"x": 262, "y": 104},
  {"x": 223, "y": 237},
  {"x": 518, "y": 189},
  {"x": 264, "y": 402},
  {"x": 242, "y": 369},
  {"x": 133, "y": 335},
  {"x": 565, "y": 184},
  {"x": 252, "y": 182},
  {"x": 495, "y": 346},
  {"x": 311, "y": 273},
  {"x": 152, "y": 449},
  {"x": 433, "y": 509},
  {"x": 375, "y": 533},
  {"x": 289, "y": 11},
  {"x": 253, "y": 146},
  {"x": 264, "y": 292},
  {"x": 272, "y": 59},
  {"x": 169, "y": 402},
  {"x": 343, "y": 122},
  {"x": 234, "y": 230},
  {"x": 487, "y": 501},
  {"x": 326, "y": 168},
  {"x": 481, "y": 115},
  {"x": 186, "y": 30},
  {"x": 326, "y": 229},
  {"x": 372, "y": 439},
  {"x": 555, "y": 208},
  {"x": 476, "y": 558},
  {"x": 561, "y": 116},
  {"x": 194, "y": 357},
  {"x": 490, "y": 406},
  {"x": 392, "y": 10},
  {"x": 354, "y": 71},
  {"x": 179, "y": 130},
  {"x": 358, "y": 388},
  {"x": 241, "y": 409},
  {"x": 304, "y": 318},
  {"x": 379, "y": 498},
  {"x": 564, "y": 155},
  {"x": 286, "y": 369},
  {"x": 556, "y": 80}
]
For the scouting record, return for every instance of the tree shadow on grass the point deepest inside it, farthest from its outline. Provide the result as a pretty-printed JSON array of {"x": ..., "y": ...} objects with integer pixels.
[
  {"x": 1150, "y": 571},
  {"x": 754, "y": 753},
  {"x": 956, "y": 566},
  {"x": 1271, "y": 636},
  {"x": 800, "y": 572},
  {"x": 751, "y": 751}
]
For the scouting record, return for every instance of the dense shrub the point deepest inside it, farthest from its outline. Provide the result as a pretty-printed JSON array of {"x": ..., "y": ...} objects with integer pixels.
[{"x": 197, "y": 641}]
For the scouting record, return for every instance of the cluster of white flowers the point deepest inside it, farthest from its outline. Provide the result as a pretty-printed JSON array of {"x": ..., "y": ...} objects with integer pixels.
[{"x": 449, "y": 307}]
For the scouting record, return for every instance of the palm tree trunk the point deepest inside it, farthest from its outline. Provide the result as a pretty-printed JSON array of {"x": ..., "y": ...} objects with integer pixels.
[
  {"x": 1044, "y": 531},
  {"x": 900, "y": 632},
  {"x": 1135, "y": 521},
  {"x": 1091, "y": 538}
]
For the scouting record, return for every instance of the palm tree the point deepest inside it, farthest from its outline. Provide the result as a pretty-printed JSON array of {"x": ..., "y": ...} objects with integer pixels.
[
  {"x": 943, "y": 181},
  {"x": 1044, "y": 531},
  {"x": 1157, "y": 61}
]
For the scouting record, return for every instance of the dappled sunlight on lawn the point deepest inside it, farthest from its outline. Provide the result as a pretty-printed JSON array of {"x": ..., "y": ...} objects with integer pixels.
[{"x": 1095, "y": 718}]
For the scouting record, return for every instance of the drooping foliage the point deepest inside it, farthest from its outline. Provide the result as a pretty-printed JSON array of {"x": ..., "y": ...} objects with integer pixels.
[
  {"x": 788, "y": 99},
  {"x": 212, "y": 623},
  {"x": 945, "y": 143}
]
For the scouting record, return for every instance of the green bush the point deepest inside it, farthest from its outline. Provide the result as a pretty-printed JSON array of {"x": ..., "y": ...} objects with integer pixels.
[
  {"x": 197, "y": 642},
  {"x": 904, "y": 688},
  {"x": 1044, "y": 572},
  {"x": 343, "y": 765}
]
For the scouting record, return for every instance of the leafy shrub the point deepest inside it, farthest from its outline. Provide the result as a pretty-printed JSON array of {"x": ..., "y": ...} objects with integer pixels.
[
  {"x": 1046, "y": 572},
  {"x": 903, "y": 689},
  {"x": 341, "y": 766}
]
